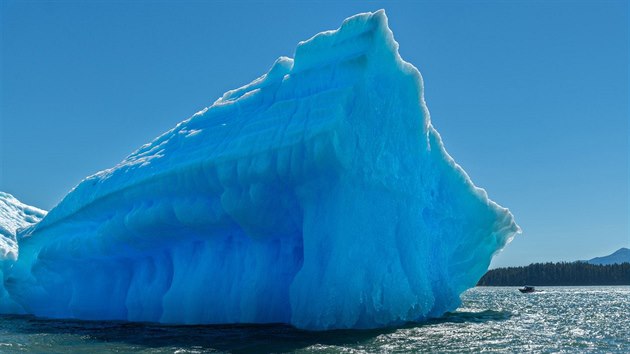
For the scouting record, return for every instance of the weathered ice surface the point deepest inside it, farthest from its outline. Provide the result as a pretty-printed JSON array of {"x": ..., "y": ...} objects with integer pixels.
[
  {"x": 318, "y": 195},
  {"x": 14, "y": 216}
]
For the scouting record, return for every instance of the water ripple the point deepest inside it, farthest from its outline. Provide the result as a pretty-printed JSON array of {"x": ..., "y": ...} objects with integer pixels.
[{"x": 555, "y": 320}]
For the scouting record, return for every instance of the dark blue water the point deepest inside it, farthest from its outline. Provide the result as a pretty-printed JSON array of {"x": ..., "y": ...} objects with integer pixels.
[{"x": 556, "y": 319}]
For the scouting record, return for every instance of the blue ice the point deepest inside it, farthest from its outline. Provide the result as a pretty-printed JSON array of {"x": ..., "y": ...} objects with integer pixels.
[{"x": 318, "y": 195}]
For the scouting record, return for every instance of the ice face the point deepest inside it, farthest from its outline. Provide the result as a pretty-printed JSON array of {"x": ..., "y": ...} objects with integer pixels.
[{"x": 318, "y": 195}]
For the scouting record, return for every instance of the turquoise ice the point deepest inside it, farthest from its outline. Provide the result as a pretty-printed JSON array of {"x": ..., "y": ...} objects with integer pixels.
[{"x": 318, "y": 195}]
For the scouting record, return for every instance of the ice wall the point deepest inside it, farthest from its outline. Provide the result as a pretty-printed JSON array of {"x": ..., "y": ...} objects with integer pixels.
[{"x": 317, "y": 195}]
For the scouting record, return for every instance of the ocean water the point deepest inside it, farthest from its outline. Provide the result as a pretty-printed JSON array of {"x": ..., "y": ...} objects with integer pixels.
[{"x": 553, "y": 320}]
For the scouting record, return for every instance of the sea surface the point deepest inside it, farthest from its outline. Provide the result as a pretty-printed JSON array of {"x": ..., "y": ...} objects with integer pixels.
[{"x": 491, "y": 319}]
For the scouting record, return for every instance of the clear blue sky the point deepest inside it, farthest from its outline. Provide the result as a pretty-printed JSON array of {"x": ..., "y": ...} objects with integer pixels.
[{"x": 531, "y": 97}]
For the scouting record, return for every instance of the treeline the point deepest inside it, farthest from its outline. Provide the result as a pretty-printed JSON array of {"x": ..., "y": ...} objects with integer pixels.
[{"x": 563, "y": 273}]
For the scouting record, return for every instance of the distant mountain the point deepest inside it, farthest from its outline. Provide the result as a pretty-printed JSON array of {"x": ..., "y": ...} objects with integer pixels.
[{"x": 619, "y": 256}]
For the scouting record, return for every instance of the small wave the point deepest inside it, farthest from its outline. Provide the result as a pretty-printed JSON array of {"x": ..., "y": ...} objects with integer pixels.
[{"x": 476, "y": 316}]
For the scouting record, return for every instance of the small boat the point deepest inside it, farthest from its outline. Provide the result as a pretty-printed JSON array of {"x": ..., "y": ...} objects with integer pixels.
[{"x": 527, "y": 289}]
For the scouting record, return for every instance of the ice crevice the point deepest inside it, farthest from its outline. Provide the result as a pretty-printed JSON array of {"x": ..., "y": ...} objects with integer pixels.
[{"x": 318, "y": 195}]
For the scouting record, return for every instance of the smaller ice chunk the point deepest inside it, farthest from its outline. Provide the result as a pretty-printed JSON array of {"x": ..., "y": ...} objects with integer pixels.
[{"x": 14, "y": 216}]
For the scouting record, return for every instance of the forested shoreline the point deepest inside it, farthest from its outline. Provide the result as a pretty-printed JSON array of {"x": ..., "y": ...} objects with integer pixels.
[{"x": 558, "y": 274}]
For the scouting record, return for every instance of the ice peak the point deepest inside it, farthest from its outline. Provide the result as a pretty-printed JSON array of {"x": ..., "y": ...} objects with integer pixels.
[{"x": 358, "y": 35}]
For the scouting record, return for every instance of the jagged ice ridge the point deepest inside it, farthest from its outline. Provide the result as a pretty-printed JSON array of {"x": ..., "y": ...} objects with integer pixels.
[{"x": 318, "y": 195}]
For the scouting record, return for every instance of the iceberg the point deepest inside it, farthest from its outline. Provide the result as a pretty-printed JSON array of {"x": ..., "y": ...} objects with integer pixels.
[{"x": 318, "y": 195}]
